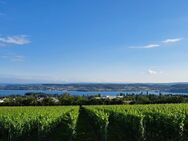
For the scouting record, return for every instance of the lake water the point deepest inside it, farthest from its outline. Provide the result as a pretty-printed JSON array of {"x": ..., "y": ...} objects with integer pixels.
[
  {"x": 22, "y": 92},
  {"x": 104, "y": 93}
]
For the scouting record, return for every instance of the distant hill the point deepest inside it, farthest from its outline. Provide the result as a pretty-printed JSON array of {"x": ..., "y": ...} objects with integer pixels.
[{"x": 164, "y": 87}]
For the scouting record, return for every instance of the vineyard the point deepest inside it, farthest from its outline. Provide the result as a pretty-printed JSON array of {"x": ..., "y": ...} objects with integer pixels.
[
  {"x": 37, "y": 123},
  {"x": 167, "y": 122}
]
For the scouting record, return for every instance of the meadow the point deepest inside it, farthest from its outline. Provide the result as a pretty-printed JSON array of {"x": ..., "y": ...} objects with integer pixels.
[{"x": 152, "y": 122}]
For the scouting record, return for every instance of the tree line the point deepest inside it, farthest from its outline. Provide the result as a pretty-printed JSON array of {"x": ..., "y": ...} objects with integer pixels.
[{"x": 41, "y": 99}]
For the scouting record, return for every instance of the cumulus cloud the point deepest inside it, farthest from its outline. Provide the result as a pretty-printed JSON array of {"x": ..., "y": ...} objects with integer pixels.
[
  {"x": 147, "y": 46},
  {"x": 14, "y": 40},
  {"x": 172, "y": 40}
]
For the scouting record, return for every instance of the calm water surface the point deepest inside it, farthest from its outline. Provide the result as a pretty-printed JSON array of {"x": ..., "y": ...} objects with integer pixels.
[
  {"x": 22, "y": 92},
  {"x": 110, "y": 93}
]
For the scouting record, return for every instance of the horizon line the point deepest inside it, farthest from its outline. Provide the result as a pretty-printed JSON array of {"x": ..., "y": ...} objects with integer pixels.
[{"x": 43, "y": 83}]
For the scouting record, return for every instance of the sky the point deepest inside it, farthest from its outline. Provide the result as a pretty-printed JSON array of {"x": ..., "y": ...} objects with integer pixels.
[{"x": 103, "y": 41}]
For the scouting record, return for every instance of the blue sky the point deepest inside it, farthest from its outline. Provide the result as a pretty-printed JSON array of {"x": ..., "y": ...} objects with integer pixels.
[{"x": 93, "y": 41}]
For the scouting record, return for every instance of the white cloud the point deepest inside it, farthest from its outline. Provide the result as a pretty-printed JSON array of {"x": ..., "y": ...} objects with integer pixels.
[
  {"x": 152, "y": 46},
  {"x": 159, "y": 44},
  {"x": 172, "y": 40},
  {"x": 147, "y": 46},
  {"x": 152, "y": 72},
  {"x": 14, "y": 40}
]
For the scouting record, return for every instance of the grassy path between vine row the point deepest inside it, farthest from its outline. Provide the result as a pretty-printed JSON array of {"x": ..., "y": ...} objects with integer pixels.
[{"x": 84, "y": 130}]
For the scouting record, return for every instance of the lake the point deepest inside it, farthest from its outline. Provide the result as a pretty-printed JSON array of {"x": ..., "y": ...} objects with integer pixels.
[
  {"x": 104, "y": 93},
  {"x": 22, "y": 92}
]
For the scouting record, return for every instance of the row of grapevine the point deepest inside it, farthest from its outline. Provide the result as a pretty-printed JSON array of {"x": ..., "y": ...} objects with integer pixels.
[
  {"x": 141, "y": 122},
  {"x": 100, "y": 120},
  {"x": 17, "y": 122},
  {"x": 111, "y": 123}
]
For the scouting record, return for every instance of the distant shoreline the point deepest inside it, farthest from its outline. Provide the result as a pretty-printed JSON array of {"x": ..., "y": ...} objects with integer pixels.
[
  {"x": 159, "y": 88},
  {"x": 80, "y": 93}
]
